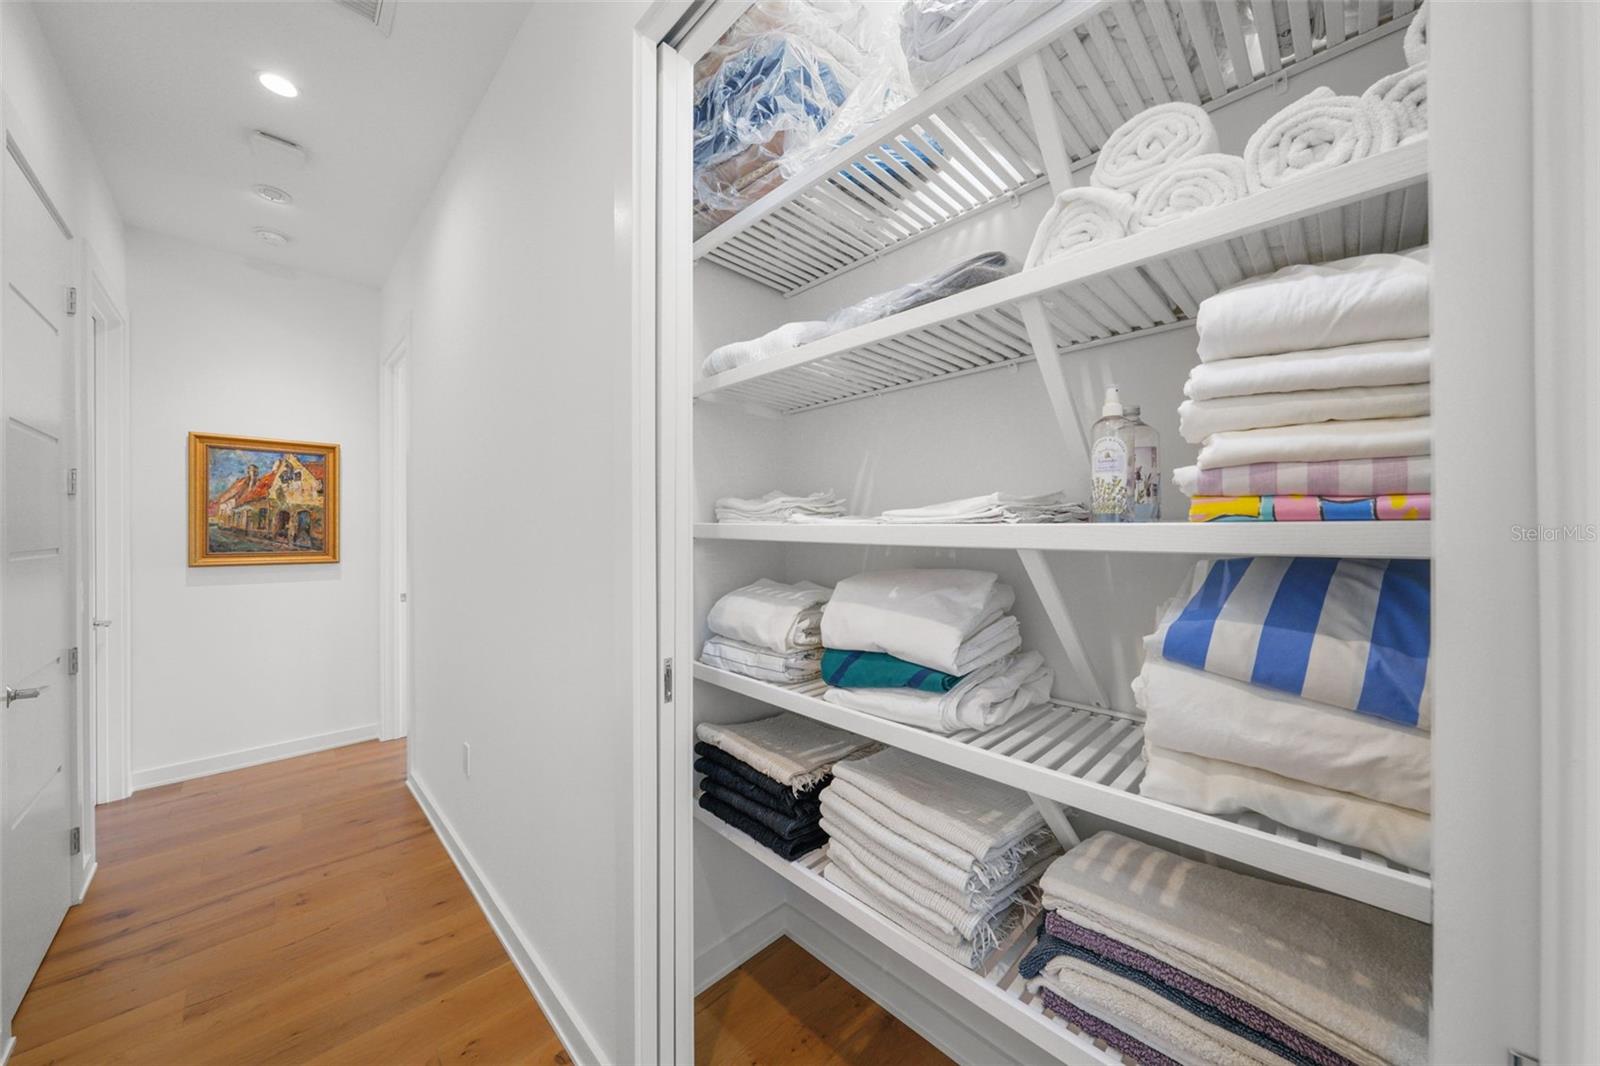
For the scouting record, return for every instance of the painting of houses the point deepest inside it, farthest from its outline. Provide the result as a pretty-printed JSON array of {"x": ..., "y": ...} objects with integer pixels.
[{"x": 262, "y": 501}]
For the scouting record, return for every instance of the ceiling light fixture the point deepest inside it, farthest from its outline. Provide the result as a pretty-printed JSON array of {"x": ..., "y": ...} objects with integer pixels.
[
  {"x": 270, "y": 236},
  {"x": 273, "y": 195},
  {"x": 277, "y": 83}
]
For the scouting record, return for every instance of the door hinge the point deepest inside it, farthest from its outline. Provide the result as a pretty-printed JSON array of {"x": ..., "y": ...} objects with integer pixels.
[
  {"x": 1521, "y": 1058},
  {"x": 72, "y": 299},
  {"x": 72, "y": 661},
  {"x": 666, "y": 680},
  {"x": 72, "y": 482},
  {"x": 75, "y": 841}
]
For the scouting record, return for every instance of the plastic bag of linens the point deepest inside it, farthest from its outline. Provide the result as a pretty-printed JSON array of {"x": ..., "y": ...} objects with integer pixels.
[
  {"x": 940, "y": 36},
  {"x": 788, "y": 82},
  {"x": 958, "y": 277}
]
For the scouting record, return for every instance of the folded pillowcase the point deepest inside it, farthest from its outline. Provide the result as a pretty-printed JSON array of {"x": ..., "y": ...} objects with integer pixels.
[
  {"x": 770, "y": 614},
  {"x": 1149, "y": 142},
  {"x": 1188, "y": 188},
  {"x": 1366, "y": 439},
  {"x": 1199, "y": 419},
  {"x": 921, "y": 616},
  {"x": 1365, "y": 365},
  {"x": 1078, "y": 219},
  {"x": 1319, "y": 305},
  {"x": 779, "y": 668}
]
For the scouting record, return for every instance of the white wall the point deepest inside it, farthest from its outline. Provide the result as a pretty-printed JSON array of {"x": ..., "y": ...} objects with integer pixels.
[
  {"x": 236, "y": 664},
  {"x": 515, "y": 284}
]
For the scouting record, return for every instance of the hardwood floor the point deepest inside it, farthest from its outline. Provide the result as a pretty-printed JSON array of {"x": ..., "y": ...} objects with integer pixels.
[{"x": 304, "y": 912}]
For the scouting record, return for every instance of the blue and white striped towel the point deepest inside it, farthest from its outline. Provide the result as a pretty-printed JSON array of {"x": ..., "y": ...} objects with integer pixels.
[{"x": 1353, "y": 633}]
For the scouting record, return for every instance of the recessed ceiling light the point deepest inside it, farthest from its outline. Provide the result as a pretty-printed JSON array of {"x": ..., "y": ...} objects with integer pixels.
[
  {"x": 277, "y": 83},
  {"x": 273, "y": 195},
  {"x": 270, "y": 236}
]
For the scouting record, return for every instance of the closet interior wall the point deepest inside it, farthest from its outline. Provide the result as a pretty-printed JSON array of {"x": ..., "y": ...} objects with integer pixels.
[{"x": 983, "y": 432}]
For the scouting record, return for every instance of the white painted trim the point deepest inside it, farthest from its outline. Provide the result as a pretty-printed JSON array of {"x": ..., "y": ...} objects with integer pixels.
[
  {"x": 576, "y": 1037},
  {"x": 391, "y": 508},
  {"x": 88, "y": 879},
  {"x": 5, "y": 1052},
  {"x": 738, "y": 947},
  {"x": 239, "y": 760}
]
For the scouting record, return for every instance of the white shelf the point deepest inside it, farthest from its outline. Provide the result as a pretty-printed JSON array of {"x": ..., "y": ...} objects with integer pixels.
[
  {"x": 999, "y": 991},
  {"x": 1093, "y": 761},
  {"x": 1345, "y": 540},
  {"x": 969, "y": 142},
  {"x": 1152, "y": 280}
]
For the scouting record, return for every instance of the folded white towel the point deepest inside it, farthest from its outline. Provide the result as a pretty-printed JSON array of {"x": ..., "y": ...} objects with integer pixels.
[
  {"x": 994, "y": 507},
  {"x": 1368, "y": 439},
  {"x": 1317, "y": 132},
  {"x": 1199, "y": 419},
  {"x": 1369, "y": 364},
  {"x": 1078, "y": 219},
  {"x": 1150, "y": 141},
  {"x": 1364, "y": 298},
  {"x": 921, "y": 616},
  {"x": 763, "y": 664},
  {"x": 978, "y": 818},
  {"x": 770, "y": 614},
  {"x": 789, "y": 748},
  {"x": 1406, "y": 92},
  {"x": 1217, "y": 787},
  {"x": 1188, "y": 187},
  {"x": 1220, "y": 718},
  {"x": 985, "y": 698},
  {"x": 785, "y": 338},
  {"x": 777, "y": 506},
  {"x": 1416, "y": 39}
]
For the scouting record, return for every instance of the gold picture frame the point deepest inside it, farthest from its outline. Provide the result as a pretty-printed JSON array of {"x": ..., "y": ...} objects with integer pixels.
[{"x": 257, "y": 501}]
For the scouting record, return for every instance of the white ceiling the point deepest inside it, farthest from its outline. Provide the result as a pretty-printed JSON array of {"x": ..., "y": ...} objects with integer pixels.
[{"x": 168, "y": 95}]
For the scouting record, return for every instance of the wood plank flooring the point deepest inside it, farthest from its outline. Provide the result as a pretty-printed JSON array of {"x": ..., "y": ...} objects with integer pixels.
[{"x": 304, "y": 912}]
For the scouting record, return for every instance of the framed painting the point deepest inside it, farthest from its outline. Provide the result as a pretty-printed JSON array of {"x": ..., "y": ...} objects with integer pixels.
[{"x": 254, "y": 501}]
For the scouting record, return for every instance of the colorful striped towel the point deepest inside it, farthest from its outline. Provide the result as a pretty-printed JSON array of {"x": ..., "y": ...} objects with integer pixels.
[
  {"x": 1387, "y": 508},
  {"x": 1350, "y": 632},
  {"x": 874, "y": 669}
]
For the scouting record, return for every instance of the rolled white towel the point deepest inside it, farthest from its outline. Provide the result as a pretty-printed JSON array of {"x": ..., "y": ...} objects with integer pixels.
[
  {"x": 1406, "y": 94},
  {"x": 1317, "y": 132},
  {"x": 786, "y": 337},
  {"x": 1077, "y": 219},
  {"x": 1150, "y": 141},
  {"x": 1188, "y": 186},
  {"x": 1416, "y": 39}
]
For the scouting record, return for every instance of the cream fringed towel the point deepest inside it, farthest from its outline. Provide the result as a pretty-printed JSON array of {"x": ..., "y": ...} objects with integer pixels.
[
  {"x": 1078, "y": 219},
  {"x": 789, "y": 748},
  {"x": 1317, "y": 132},
  {"x": 1349, "y": 976},
  {"x": 1151, "y": 141},
  {"x": 1194, "y": 185}
]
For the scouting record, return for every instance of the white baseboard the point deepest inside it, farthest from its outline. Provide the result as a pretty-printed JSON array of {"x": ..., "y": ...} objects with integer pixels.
[
  {"x": 238, "y": 760},
  {"x": 729, "y": 953},
  {"x": 5, "y": 1052},
  {"x": 88, "y": 879},
  {"x": 575, "y": 1036}
]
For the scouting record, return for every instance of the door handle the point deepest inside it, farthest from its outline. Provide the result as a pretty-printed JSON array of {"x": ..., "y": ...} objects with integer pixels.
[{"x": 15, "y": 694}]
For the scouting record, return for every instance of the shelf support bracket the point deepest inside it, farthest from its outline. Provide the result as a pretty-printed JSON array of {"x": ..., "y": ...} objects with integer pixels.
[
  {"x": 1055, "y": 608},
  {"x": 1043, "y": 340},
  {"x": 1041, "y": 108},
  {"x": 1055, "y": 816}
]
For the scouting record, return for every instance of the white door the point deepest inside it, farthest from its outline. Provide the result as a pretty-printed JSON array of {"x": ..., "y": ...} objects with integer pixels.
[{"x": 37, "y": 611}]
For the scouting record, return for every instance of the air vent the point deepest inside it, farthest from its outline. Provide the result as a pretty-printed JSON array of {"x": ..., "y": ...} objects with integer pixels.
[
  {"x": 277, "y": 150},
  {"x": 378, "y": 13}
]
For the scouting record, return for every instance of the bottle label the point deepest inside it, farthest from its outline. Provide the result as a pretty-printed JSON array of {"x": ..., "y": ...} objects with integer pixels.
[
  {"x": 1146, "y": 478},
  {"x": 1108, "y": 487}
]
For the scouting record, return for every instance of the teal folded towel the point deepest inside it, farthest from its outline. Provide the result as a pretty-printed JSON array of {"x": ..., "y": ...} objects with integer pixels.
[{"x": 874, "y": 669}]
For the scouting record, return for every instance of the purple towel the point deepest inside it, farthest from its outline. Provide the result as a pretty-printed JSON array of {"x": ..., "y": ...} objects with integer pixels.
[
  {"x": 1140, "y": 1052},
  {"x": 1229, "y": 1004}
]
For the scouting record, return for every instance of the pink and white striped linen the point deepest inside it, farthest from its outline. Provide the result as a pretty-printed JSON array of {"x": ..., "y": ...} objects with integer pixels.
[{"x": 1335, "y": 477}]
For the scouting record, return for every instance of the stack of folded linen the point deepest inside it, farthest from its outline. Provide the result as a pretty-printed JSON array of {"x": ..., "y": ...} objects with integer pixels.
[
  {"x": 778, "y": 506},
  {"x": 769, "y": 631},
  {"x": 1311, "y": 399},
  {"x": 1172, "y": 961},
  {"x": 994, "y": 508},
  {"x": 1298, "y": 689},
  {"x": 765, "y": 778},
  {"x": 930, "y": 648},
  {"x": 949, "y": 857}
]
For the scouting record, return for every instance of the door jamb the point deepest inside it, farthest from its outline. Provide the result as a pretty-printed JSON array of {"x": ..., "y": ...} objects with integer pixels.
[{"x": 392, "y": 579}]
